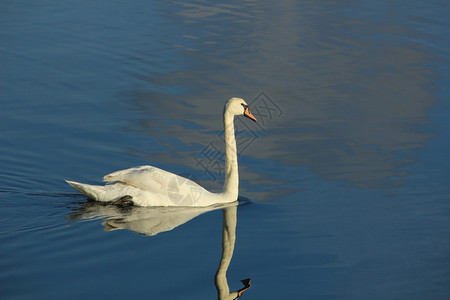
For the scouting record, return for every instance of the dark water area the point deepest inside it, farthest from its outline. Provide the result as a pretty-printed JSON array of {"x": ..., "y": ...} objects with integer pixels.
[{"x": 345, "y": 175}]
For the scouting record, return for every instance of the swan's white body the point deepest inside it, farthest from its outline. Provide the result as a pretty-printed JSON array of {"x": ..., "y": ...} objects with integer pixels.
[{"x": 151, "y": 186}]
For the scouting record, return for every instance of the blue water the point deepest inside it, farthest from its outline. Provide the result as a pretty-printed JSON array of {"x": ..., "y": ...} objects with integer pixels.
[{"x": 347, "y": 170}]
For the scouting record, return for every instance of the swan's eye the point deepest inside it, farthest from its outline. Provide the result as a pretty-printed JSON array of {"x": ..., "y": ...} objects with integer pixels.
[{"x": 244, "y": 106}]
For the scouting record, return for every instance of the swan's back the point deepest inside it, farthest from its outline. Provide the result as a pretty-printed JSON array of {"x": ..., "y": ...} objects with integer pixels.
[
  {"x": 147, "y": 178},
  {"x": 176, "y": 189}
]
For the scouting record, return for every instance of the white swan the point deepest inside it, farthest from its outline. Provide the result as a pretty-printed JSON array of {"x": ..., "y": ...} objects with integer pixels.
[{"x": 151, "y": 186}]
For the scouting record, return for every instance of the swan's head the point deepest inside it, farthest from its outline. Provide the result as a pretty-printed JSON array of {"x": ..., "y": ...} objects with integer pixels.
[{"x": 238, "y": 106}]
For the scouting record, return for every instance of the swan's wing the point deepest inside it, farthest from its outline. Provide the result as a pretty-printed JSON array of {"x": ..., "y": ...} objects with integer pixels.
[
  {"x": 147, "y": 178},
  {"x": 155, "y": 180}
]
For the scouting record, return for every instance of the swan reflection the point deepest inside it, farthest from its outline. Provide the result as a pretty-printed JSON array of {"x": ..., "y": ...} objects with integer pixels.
[
  {"x": 228, "y": 241},
  {"x": 150, "y": 221}
]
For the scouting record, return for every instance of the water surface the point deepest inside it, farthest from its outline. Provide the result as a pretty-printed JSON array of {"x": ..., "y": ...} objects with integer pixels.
[{"x": 347, "y": 168}]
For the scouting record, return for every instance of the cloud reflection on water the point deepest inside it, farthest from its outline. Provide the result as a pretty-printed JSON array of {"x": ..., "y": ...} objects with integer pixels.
[{"x": 354, "y": 91}]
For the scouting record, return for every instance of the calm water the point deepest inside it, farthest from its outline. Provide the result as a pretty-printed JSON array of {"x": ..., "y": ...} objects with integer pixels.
[{"x": 347, "y": 169}]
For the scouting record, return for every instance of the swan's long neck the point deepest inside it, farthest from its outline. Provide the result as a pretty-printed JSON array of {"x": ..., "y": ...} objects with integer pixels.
[{"x": 231, "y": 186}]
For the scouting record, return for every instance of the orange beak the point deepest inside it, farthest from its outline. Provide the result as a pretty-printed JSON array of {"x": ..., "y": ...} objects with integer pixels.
[
  {"x": 247, "y": 285},
  {"x": 248, "y": 114}
]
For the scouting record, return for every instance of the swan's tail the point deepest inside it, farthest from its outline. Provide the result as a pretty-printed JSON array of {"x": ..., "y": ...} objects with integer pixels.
[{"x": 92, "y": 191}]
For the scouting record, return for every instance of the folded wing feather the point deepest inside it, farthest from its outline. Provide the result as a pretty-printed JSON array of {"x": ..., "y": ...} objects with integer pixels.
[{"x": 152, "y": 179}]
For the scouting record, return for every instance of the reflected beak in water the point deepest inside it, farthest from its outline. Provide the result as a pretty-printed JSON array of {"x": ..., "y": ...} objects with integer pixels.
[
  {"x": 248, "y": 114},
  {"x": 246, "y": 283}
]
